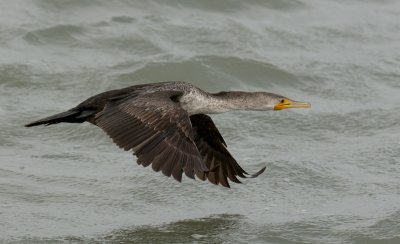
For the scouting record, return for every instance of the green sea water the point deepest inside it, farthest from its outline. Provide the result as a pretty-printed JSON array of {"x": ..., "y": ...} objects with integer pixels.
[{"x": 333, "y": 171}]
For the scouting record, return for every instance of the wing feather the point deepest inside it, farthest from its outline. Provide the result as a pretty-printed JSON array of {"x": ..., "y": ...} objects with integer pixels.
[
  {"x": 212, "y": 148},
  {"x": 156, "y": 129}
]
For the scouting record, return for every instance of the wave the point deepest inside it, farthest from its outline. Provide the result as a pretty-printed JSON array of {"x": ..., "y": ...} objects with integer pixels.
[
  {"x": 214, "y": 72},
  {"x": 59, "y": 34}
]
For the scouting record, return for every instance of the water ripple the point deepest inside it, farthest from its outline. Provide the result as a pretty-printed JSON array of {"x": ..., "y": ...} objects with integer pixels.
[{"x": 57, "y": 35}]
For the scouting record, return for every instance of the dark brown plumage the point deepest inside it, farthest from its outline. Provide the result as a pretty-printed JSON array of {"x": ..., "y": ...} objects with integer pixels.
[
  {"x": 156, "y": 129},
  {"x": 214, "y": 152},
  {"x": 166, "y": 126}
]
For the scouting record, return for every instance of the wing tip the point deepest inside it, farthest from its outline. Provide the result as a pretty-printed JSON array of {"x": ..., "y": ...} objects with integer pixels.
[{"x": 259, "y": 172}]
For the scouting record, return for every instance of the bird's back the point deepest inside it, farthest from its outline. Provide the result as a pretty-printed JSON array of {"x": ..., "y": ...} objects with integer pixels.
[{"x": 98, "y": 101}]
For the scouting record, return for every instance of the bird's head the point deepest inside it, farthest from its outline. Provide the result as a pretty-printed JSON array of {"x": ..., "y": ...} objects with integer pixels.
[
  {"x": 257, "y": 101},
  {"x": 271, "y": 101},
  {"x": 283, "y": 103}
]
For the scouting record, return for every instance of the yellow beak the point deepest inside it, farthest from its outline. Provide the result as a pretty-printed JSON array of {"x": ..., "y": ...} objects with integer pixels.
[{"x": 287, "y": 103}]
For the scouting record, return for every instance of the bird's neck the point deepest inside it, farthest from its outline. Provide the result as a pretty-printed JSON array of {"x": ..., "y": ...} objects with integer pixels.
[
  {"x": 235, "y": 100},
  {"x": 197, "y": 102}
]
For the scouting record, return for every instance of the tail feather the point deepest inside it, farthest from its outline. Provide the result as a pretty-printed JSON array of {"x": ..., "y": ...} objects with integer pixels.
[{"x": 71, "y": 116}]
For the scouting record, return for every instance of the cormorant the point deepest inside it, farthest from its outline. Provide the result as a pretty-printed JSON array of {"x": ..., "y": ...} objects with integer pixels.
[{"x": 166, "y": 125}]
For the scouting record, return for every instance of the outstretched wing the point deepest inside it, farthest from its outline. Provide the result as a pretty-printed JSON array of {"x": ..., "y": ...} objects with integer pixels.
[
  {"x": 216, "y": 156},
  {"x": 158, "y": 131}
]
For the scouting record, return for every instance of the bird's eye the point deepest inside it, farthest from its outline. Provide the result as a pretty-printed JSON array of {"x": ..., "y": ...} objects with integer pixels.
[{"x": 283, "y": 100}]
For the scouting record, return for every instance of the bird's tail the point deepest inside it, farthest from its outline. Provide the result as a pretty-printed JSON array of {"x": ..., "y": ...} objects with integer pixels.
[{"x": 73, "y": 115}]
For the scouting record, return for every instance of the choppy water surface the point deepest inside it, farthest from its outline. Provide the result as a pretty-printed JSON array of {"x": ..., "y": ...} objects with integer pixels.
[{"x": 333, "y": 172}]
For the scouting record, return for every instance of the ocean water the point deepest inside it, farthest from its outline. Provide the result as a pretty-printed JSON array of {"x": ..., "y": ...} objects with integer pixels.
[{"x": 333, "y": 171}]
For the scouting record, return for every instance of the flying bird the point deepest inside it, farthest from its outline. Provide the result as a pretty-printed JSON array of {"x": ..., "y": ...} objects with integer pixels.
[{"x": 166, "y": 125}]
